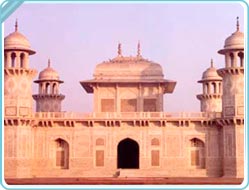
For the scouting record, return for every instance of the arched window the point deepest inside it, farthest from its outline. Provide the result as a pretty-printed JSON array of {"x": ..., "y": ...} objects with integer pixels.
[
  {"x": 197, "y": 153},
  {"x": 55, "y": 89},
  {"x": 47, "y": 88},
  {"x": 22, "y": 56},
  {"x": 213, "y": 91},
  {"x": 220, "y": 87},
  {"x": 232, "y": 59},
  {"x": 13, "y": 59},
  {"x": 241, "y": 56},
  {"x": 61, "y": 154}
]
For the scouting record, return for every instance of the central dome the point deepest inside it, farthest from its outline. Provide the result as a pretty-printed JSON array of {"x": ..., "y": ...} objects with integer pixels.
[{"x": 128, "y": 68}]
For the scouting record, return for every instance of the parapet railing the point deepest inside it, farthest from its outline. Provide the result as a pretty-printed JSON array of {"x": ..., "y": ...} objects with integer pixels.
[{"x": 126, "y": 115}]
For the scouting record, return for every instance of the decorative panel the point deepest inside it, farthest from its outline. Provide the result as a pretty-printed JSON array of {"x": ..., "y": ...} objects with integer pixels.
[
  {"x": 107, "y": 105},
  {"x": 99, "y": 157},
  {"x": 128, "y": 105},
  {"x": 150, "y": 105},
  {"x": 155, "y": 155},
  {"x": 10, "y": 111}
]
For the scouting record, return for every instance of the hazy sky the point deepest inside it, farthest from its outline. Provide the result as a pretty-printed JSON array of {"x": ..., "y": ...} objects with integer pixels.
[{"x": 76, "y": 37}]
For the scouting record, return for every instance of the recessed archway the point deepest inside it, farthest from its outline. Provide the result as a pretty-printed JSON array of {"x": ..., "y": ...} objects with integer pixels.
[{"x": 128, "y": 154}]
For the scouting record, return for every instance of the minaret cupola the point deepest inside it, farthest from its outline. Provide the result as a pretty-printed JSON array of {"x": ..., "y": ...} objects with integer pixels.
[
  {"x": 48, "y": 98},
  {"x": 212, "y": 90}
]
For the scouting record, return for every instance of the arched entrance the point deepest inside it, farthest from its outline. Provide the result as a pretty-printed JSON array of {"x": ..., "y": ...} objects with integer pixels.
[{"x": 128, "y": 154}]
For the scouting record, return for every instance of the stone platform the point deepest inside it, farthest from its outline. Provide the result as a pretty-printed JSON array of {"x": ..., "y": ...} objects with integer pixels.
[{"x": 125, "y": 181}]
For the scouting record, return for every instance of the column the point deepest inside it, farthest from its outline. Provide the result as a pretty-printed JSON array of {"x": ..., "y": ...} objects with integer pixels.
[
  {"x": 235, "y": 58},
  {"x": 227, "y": 60},
  {"x": 40, "y": 88},
  {"x": 117, "y": 101},
  {"x": 26, "y": 61},
  {"x": 95, "y": 93},
  {"x": 140, "y": 99},
  {"x": 160, "y": 99},
  {"x": 209, "y": 88},
  {"x": 203, "y": 88},
  {"x": 18, "y": 60},
  {"x": 8, "y": 59}
]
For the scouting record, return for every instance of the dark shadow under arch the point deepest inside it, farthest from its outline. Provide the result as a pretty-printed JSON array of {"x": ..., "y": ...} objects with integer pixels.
[{"x": 128, "y": 154}]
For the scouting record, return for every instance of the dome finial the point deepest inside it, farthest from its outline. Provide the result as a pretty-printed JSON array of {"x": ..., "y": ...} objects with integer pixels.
[
  {"x": 119, "y": 50},
  {"x": 16, "y": 26},
  {"x": 237, "y": 25},
  {"x": 49, "y": 62},
  {"x": 138, "y": 49},
  {"x": 212, "y": 63}
]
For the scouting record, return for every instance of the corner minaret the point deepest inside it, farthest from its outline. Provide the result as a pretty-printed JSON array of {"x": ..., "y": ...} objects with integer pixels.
[
  {"x": 17, "y": 75},
  {"x": 233, "y": 74},
  {"x": 212, "y": 90},
  {"x": 232, "y": 121},
  {"x": 48, "y": 98}
]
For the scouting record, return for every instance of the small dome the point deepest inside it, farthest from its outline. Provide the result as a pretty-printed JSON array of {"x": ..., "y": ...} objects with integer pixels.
[
  {"x": 235, "y": 41},
  {"x": 211, "y": 73},
  {"x": 128, "y": 68},
  {"x": 48, "y": 74},
  {"x": 17, "y": 41}
]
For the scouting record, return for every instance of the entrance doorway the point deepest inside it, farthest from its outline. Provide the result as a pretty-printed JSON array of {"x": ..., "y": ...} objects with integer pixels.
[{"x": 128, "y": 154}]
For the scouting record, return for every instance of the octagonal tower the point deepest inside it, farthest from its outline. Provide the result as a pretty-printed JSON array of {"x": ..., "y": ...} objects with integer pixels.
[
  {"x": 212, "y": 90},
  {"x": 17, "y": 75},
  {"x": 233, "y": 74},
  {"x": 232, "y": 120},
  {"x": 48, "y": 98}
]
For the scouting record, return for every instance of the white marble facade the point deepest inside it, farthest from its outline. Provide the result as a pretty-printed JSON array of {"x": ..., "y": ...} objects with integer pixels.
[{"x": 128, "y": 133}]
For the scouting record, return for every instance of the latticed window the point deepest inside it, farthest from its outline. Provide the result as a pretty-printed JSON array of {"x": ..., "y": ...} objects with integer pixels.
[
  {"x": 155, "y": 152},
  {"x": 62, "y": 154},
  {"x": 197, "y": 153}
]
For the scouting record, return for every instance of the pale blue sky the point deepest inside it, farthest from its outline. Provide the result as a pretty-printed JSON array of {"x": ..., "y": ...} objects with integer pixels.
[{"x": 76, "y": 37}]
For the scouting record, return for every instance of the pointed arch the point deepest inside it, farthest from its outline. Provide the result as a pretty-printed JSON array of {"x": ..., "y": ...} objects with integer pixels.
[
  {"x": 61, "y": 154},
  {"x": 241, "y": 56},
  {"x": 128, "y": 154},
  {"x": 54, "y": 88},
  {"x": 232, "y": 59},
  {"x": 197, "y": 153},
  {"x": 22, "y": 59},
  {"x": 214, "y": 89},
  {"x": 47, "y": 88},
  {"x": 13, "y": 59}
]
